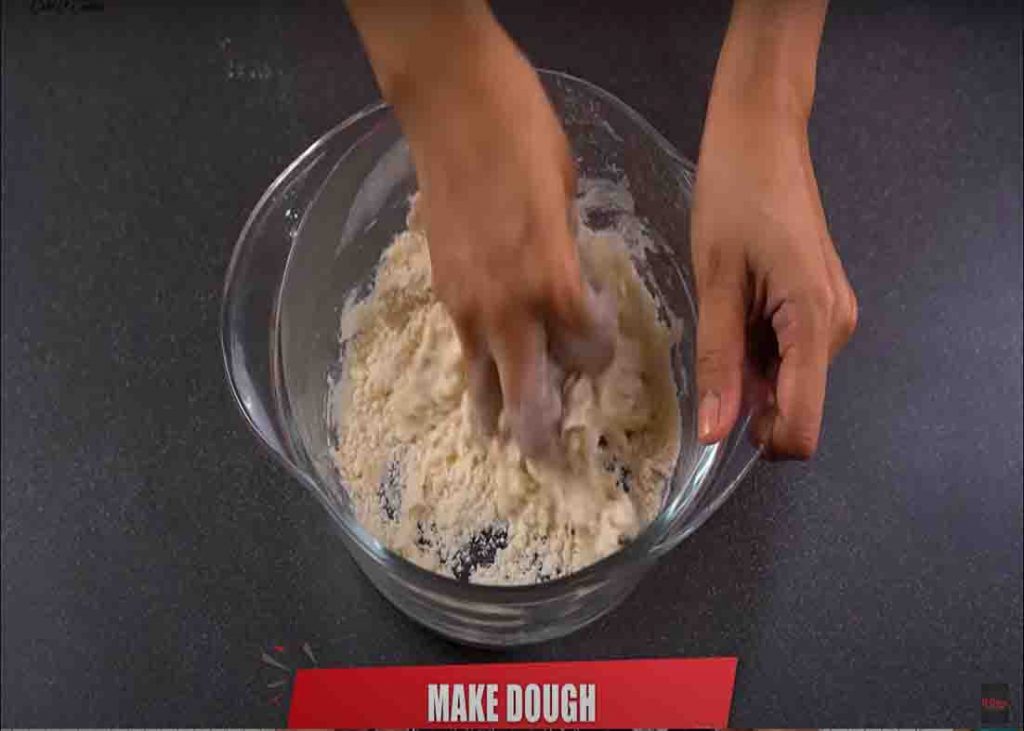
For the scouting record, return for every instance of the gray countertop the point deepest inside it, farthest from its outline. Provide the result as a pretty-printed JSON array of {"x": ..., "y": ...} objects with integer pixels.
[{"x": 151, "y": 550}]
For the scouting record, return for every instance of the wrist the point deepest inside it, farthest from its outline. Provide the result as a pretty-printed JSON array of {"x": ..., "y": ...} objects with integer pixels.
[
  {"x": 766, "y": 68},
  {"x": 761, "y": 98}
]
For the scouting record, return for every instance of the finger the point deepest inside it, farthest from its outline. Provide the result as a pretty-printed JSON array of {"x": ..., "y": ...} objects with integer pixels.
[
  {"x": 760, "y": 386},
  {"x": 760, "y": 372},
  {"x": 532, "y": 401},
  {"x": 581, "y": 329},
  {"x": 844, "y": 311},
  {"x": 801, "y": 327},
  {"x": 485, "y": 394},
  {"x": 482, "y": 377},
  {"x": 721, "y": 346}
]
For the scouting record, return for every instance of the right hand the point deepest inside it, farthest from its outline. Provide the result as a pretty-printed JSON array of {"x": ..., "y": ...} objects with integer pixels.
[{"x": 497, "y": 182}]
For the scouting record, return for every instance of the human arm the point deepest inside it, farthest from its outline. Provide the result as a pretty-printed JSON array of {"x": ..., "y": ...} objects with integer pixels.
[
  {"x": 497, "y": 181},
  {"x": 775, "y": 303}
]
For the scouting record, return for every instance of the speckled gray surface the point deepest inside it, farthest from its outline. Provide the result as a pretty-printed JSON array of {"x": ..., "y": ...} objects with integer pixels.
[{"x": 151, "y": 550}]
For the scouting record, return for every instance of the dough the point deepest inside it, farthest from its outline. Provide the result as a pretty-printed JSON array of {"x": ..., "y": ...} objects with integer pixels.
[{"x": 432, "y": 489}]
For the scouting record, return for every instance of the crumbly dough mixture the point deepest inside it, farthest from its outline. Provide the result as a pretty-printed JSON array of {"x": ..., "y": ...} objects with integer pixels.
[{"x": 434, "y": 490}]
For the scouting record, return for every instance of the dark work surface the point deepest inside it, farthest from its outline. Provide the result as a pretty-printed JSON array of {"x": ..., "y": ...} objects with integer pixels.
[{"x": 151, "y": 550}]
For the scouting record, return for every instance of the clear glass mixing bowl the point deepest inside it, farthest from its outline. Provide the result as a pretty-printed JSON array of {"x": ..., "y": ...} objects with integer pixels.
[{"x": 316, "y": 235}]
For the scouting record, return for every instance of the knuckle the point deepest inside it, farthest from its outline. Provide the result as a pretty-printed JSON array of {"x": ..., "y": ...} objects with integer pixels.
[
  {"x": 822, "y": 298},
  {"x": 564, "y": 295},
  {"x": 851, "y": 313},
  {"x": 812, "y": 312}
]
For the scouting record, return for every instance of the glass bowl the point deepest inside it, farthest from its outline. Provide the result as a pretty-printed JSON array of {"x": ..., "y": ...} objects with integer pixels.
[{"x": 316, "y": 236}]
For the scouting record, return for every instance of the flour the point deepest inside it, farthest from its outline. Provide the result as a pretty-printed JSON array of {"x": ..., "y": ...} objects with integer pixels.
[{"x": 432, "y": 489}]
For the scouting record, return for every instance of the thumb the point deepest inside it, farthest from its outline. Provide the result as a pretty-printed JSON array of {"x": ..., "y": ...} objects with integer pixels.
[{"x": 721, "y": 348}]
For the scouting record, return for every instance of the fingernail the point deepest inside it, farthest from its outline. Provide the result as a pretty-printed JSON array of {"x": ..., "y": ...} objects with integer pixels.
[{"x": 707, "y": 414}]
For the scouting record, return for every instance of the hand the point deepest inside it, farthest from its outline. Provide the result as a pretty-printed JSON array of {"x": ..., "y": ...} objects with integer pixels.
[
  {"x": 774, "y": 299},
  {"x": 497, "y": 183}
]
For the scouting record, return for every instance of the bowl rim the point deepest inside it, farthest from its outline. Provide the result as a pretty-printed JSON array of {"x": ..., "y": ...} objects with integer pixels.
[{"x": 642, "y": 549}]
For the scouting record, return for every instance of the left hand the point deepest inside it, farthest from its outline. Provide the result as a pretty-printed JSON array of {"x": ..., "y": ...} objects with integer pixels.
[{"x": 767, "y": 275}]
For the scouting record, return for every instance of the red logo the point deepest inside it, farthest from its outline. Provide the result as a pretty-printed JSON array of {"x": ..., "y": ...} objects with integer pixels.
[{"x": 279, "y": 663}]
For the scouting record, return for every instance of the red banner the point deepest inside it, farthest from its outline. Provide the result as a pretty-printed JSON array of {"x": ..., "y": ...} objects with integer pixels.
[{"x": 683, "y": 693}]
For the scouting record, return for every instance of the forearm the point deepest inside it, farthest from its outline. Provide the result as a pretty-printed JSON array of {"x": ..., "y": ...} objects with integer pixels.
[
  {"x": 427, "y": 48},
  {"x": 767, "y": 63}
]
